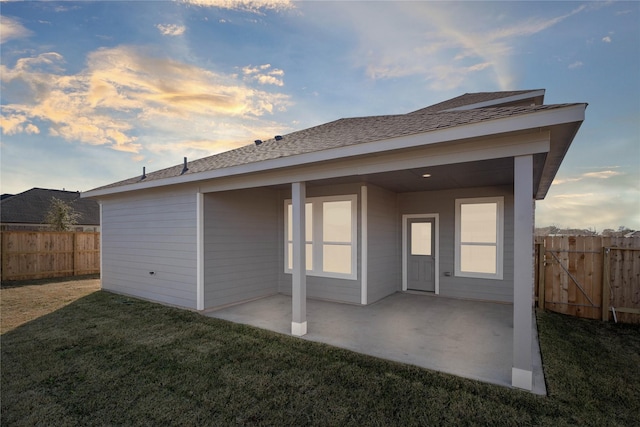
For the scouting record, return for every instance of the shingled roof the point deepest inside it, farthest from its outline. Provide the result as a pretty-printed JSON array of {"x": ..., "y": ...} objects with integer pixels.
[
  {"x": 495, "y": 98},
  {"x": 31, "y": 206},
  {"x": 359, "y": 130}
]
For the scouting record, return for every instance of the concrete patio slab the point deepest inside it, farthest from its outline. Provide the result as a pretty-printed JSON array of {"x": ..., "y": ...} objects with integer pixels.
[{"x": 470, "y": 339}]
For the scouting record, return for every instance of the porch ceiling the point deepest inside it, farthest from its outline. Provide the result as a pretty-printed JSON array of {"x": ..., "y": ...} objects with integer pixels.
[{"x": 494, "y": 172}]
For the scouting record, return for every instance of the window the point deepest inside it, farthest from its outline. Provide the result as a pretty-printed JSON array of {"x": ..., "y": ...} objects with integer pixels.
[
  {"x": 330, "y": 233},
  {"x": 479, "y": 237},
  {"x": 421, "y": 238},
  {"x": 308, "y": 236}
]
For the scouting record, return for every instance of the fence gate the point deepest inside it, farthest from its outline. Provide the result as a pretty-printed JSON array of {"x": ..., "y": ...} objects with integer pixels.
[
  {"x": 572, "y": 276},
  {"x": 585, "y": 276}
]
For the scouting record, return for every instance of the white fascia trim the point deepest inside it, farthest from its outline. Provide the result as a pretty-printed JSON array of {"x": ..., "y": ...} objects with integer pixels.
[
  {"x": 544, "y": 118},
  {"x": 498, "y": 101}
]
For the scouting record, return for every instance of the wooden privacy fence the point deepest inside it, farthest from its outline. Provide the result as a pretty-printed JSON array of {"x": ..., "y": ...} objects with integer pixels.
[
  {"x": 41, "y": 255},
  {"x": 589, "y": 276}
]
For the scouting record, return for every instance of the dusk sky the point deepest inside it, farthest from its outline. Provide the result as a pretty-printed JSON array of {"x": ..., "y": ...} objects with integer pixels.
[{"x": 93, "y": 91}]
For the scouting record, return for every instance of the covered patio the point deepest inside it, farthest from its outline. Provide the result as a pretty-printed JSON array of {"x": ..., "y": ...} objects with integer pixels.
[{"x": 469, "y": 339}]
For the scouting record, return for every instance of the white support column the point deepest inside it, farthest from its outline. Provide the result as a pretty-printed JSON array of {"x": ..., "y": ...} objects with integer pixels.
[
  {"x": 101, "y": 247},
  {"x": 299, "y": 288},
  {"x": 523, "y": 266},
  {"x": 200, "y": 251},
  {"x": 364, "y": 246}
]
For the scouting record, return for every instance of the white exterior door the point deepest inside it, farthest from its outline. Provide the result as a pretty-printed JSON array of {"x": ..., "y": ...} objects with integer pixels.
[{"x": 420, "y": 250}]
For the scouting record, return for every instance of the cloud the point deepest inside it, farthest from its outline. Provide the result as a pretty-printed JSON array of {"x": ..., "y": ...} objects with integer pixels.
[
  {"x": 263, "y": 74},
  {"x": 171, "y": 29},
  {"x": 605, "y": 174},
  {"x": 606, "y": 39},
  {"x": 589, "y": 209},
  {"x": 12, "y": 29},
  {"x": 17, "y": 123},
  {"x": 601, "y": 174},
  {"x": 394, "y": 43},
  {"x": 576, "y": 64},
  {"x": 255, "y": 6},
  {"x": 126, "y": 97},
  {"x": 223, "y": 136},
  {"x": 573, "y": 196},
  {"x": 598, "y": 199}
]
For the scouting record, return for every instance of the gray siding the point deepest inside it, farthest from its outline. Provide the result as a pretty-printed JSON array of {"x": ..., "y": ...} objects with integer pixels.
[
  {"x": 384, "y": 240},
  {"x": 443, "y": 203},
  {"x": 151, "y": 232},
  {"x": 322, "y": 287},
  {"x": 241, "y": 245}
]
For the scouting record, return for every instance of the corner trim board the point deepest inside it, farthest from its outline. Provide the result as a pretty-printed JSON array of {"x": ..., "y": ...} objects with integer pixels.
[
  {"x": 364, "y": 264},
  {"x": 200, "y": 251}
]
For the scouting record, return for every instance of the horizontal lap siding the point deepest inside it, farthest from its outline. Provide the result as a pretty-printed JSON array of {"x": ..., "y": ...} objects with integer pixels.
[
  {"x": 240, "y": 245},
  {"x": 152, "y": 232},
  {"x": 383, "y": 233},
  {"x": 443, "y": 203}
]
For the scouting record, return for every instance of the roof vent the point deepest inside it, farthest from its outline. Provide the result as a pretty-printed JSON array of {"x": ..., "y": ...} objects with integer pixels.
[
  {"x": 258, "y": 141},
  {"x": 144, "y": 172},
  {"x": 184, "y": 168},
  {"x": 278, "y": 137}
]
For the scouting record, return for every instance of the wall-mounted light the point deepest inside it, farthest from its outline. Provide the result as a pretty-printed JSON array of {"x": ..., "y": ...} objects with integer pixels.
[{"x": 426, "y": 175}]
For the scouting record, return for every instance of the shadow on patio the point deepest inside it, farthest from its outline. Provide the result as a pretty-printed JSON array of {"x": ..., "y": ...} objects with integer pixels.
[{"x": 470, "y": 339}]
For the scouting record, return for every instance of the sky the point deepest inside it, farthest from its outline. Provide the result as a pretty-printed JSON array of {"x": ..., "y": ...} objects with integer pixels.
[{"x": 92, "y": 92}]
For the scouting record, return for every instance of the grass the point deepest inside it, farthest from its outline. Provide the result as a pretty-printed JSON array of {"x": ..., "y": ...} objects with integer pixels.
[
  {"x": 23, "y": 301},
  {"x": 111, "y": 360}
]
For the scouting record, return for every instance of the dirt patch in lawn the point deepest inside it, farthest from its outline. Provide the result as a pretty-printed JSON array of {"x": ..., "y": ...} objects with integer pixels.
[{"x": 24, "y": 301}]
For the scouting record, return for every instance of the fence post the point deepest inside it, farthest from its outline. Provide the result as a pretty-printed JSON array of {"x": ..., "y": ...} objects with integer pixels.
[
  {"x": 75, "y": 253},
  {"x": 606, "y": 282},
  {"x": 3, "y": 256},
  {"x": 541, "y": 274}
]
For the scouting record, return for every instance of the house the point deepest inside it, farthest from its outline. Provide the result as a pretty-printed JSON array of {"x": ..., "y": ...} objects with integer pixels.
[
  {"x": 28, "y": 210},
  {"x": 438, "y": 200}
]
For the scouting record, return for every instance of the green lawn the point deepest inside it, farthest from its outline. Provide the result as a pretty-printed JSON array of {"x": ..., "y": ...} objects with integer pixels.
[{"x": 111, "y": 360}]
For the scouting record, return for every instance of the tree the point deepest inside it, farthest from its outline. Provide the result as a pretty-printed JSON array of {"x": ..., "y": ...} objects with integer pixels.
[{"x": 61, "y": 216}]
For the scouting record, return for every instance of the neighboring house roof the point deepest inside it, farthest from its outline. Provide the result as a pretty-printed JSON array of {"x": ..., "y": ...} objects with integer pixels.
[
  {"x": 6, "y": 196},
  {"x": 487, "y": 107},
  {"x": 31, "y": 206}
]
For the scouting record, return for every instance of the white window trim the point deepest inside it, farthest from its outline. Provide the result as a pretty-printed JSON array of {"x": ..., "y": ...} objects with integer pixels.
[
  {"x": 499, "y": 238},
  {"x": 317, "y": 242}
]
